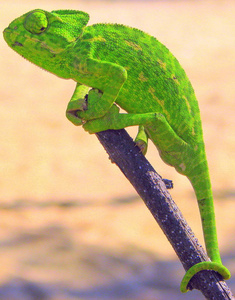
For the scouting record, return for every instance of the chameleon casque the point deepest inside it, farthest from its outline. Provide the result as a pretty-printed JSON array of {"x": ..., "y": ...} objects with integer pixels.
[{"x": 129, "y": 68}]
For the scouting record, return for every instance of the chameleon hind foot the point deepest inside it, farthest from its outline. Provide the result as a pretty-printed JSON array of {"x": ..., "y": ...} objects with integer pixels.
[
  {"x": 141, "y": 140},
  {"x": 205, "y": 265}
]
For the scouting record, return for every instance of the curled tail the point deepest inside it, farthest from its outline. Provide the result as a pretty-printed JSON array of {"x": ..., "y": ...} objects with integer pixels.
[
  {"x": 205, "y": 265},
  {"x": 202, "y": 187}
]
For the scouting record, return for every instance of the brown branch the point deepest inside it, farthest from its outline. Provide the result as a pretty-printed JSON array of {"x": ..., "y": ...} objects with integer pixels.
[{"x": 149, "y": 185}]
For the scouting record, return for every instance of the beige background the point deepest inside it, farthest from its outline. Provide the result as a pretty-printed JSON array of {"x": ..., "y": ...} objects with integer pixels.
[{"x": 71, "y": 226}]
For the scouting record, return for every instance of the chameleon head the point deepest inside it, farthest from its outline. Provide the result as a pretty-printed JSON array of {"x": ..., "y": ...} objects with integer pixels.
[{"x": 42, "y": 37}]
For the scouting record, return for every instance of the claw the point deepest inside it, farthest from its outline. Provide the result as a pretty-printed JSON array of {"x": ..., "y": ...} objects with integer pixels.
[{"x": 71, "y": 115}]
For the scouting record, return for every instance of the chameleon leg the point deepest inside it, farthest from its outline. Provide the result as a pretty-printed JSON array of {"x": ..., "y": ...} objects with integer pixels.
[
  {"x": 77, "y": 103},
  {"x": 115, "y": 120},
  {"x": 142, "y": 139}
]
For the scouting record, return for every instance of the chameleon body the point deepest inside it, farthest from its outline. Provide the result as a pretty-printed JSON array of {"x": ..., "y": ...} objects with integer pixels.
[{"x": 129, "y": 68}]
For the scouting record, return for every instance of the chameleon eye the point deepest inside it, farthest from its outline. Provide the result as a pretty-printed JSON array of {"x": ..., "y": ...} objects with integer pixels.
[{"x": 36, "y": 22}]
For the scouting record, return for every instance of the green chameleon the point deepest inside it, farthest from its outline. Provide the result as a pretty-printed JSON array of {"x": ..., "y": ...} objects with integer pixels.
[{"x": 117, "y": 64}]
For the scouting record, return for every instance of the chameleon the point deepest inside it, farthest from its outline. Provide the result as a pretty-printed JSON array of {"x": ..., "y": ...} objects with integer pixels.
[{"x": 117, "y": 66}]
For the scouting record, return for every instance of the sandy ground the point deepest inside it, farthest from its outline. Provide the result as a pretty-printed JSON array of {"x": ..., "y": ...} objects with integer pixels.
[{"x": 71, "y": 225}]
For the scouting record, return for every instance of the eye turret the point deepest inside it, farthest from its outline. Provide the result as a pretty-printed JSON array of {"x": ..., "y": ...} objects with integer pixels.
[{"x": 36, "y": 22}]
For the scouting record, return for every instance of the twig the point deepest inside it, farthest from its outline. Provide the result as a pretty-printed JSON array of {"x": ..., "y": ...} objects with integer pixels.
[{"x": 149, "y": 185}]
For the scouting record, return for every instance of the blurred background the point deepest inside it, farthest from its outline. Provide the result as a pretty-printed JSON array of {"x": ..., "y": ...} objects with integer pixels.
[{"x": 71, "y": 225}]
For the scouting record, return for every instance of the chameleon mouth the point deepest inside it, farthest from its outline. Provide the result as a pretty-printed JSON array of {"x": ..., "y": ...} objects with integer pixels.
[
  {"x": 10, "y": 37},
  {"x": 6, "y": 33}
]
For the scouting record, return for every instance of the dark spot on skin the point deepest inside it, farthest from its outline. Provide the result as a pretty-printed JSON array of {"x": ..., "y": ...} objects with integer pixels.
[
  {"x": 17, "y": 44},
  {"x": 173, "y": 77},
  {"x": 85, "y": 105},
  {"x": 202, "y": 202}
]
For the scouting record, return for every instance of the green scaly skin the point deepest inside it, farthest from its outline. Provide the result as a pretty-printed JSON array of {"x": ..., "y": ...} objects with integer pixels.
[{"x": 128, "y": 67}]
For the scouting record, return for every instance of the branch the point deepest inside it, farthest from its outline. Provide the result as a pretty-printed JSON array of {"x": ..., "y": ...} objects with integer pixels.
[{"x": 149, "y": 185}]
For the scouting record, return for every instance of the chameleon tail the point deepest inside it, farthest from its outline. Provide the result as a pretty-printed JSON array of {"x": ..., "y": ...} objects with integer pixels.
[
  {"x": 201, "y": 183},
  {"x": 205, "y": 265}
]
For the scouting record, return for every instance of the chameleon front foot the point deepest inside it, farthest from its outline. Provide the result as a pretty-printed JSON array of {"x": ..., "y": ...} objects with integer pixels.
[
  {"x": 205, "y": 265},
  {"x": 77, "y": 108}
]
